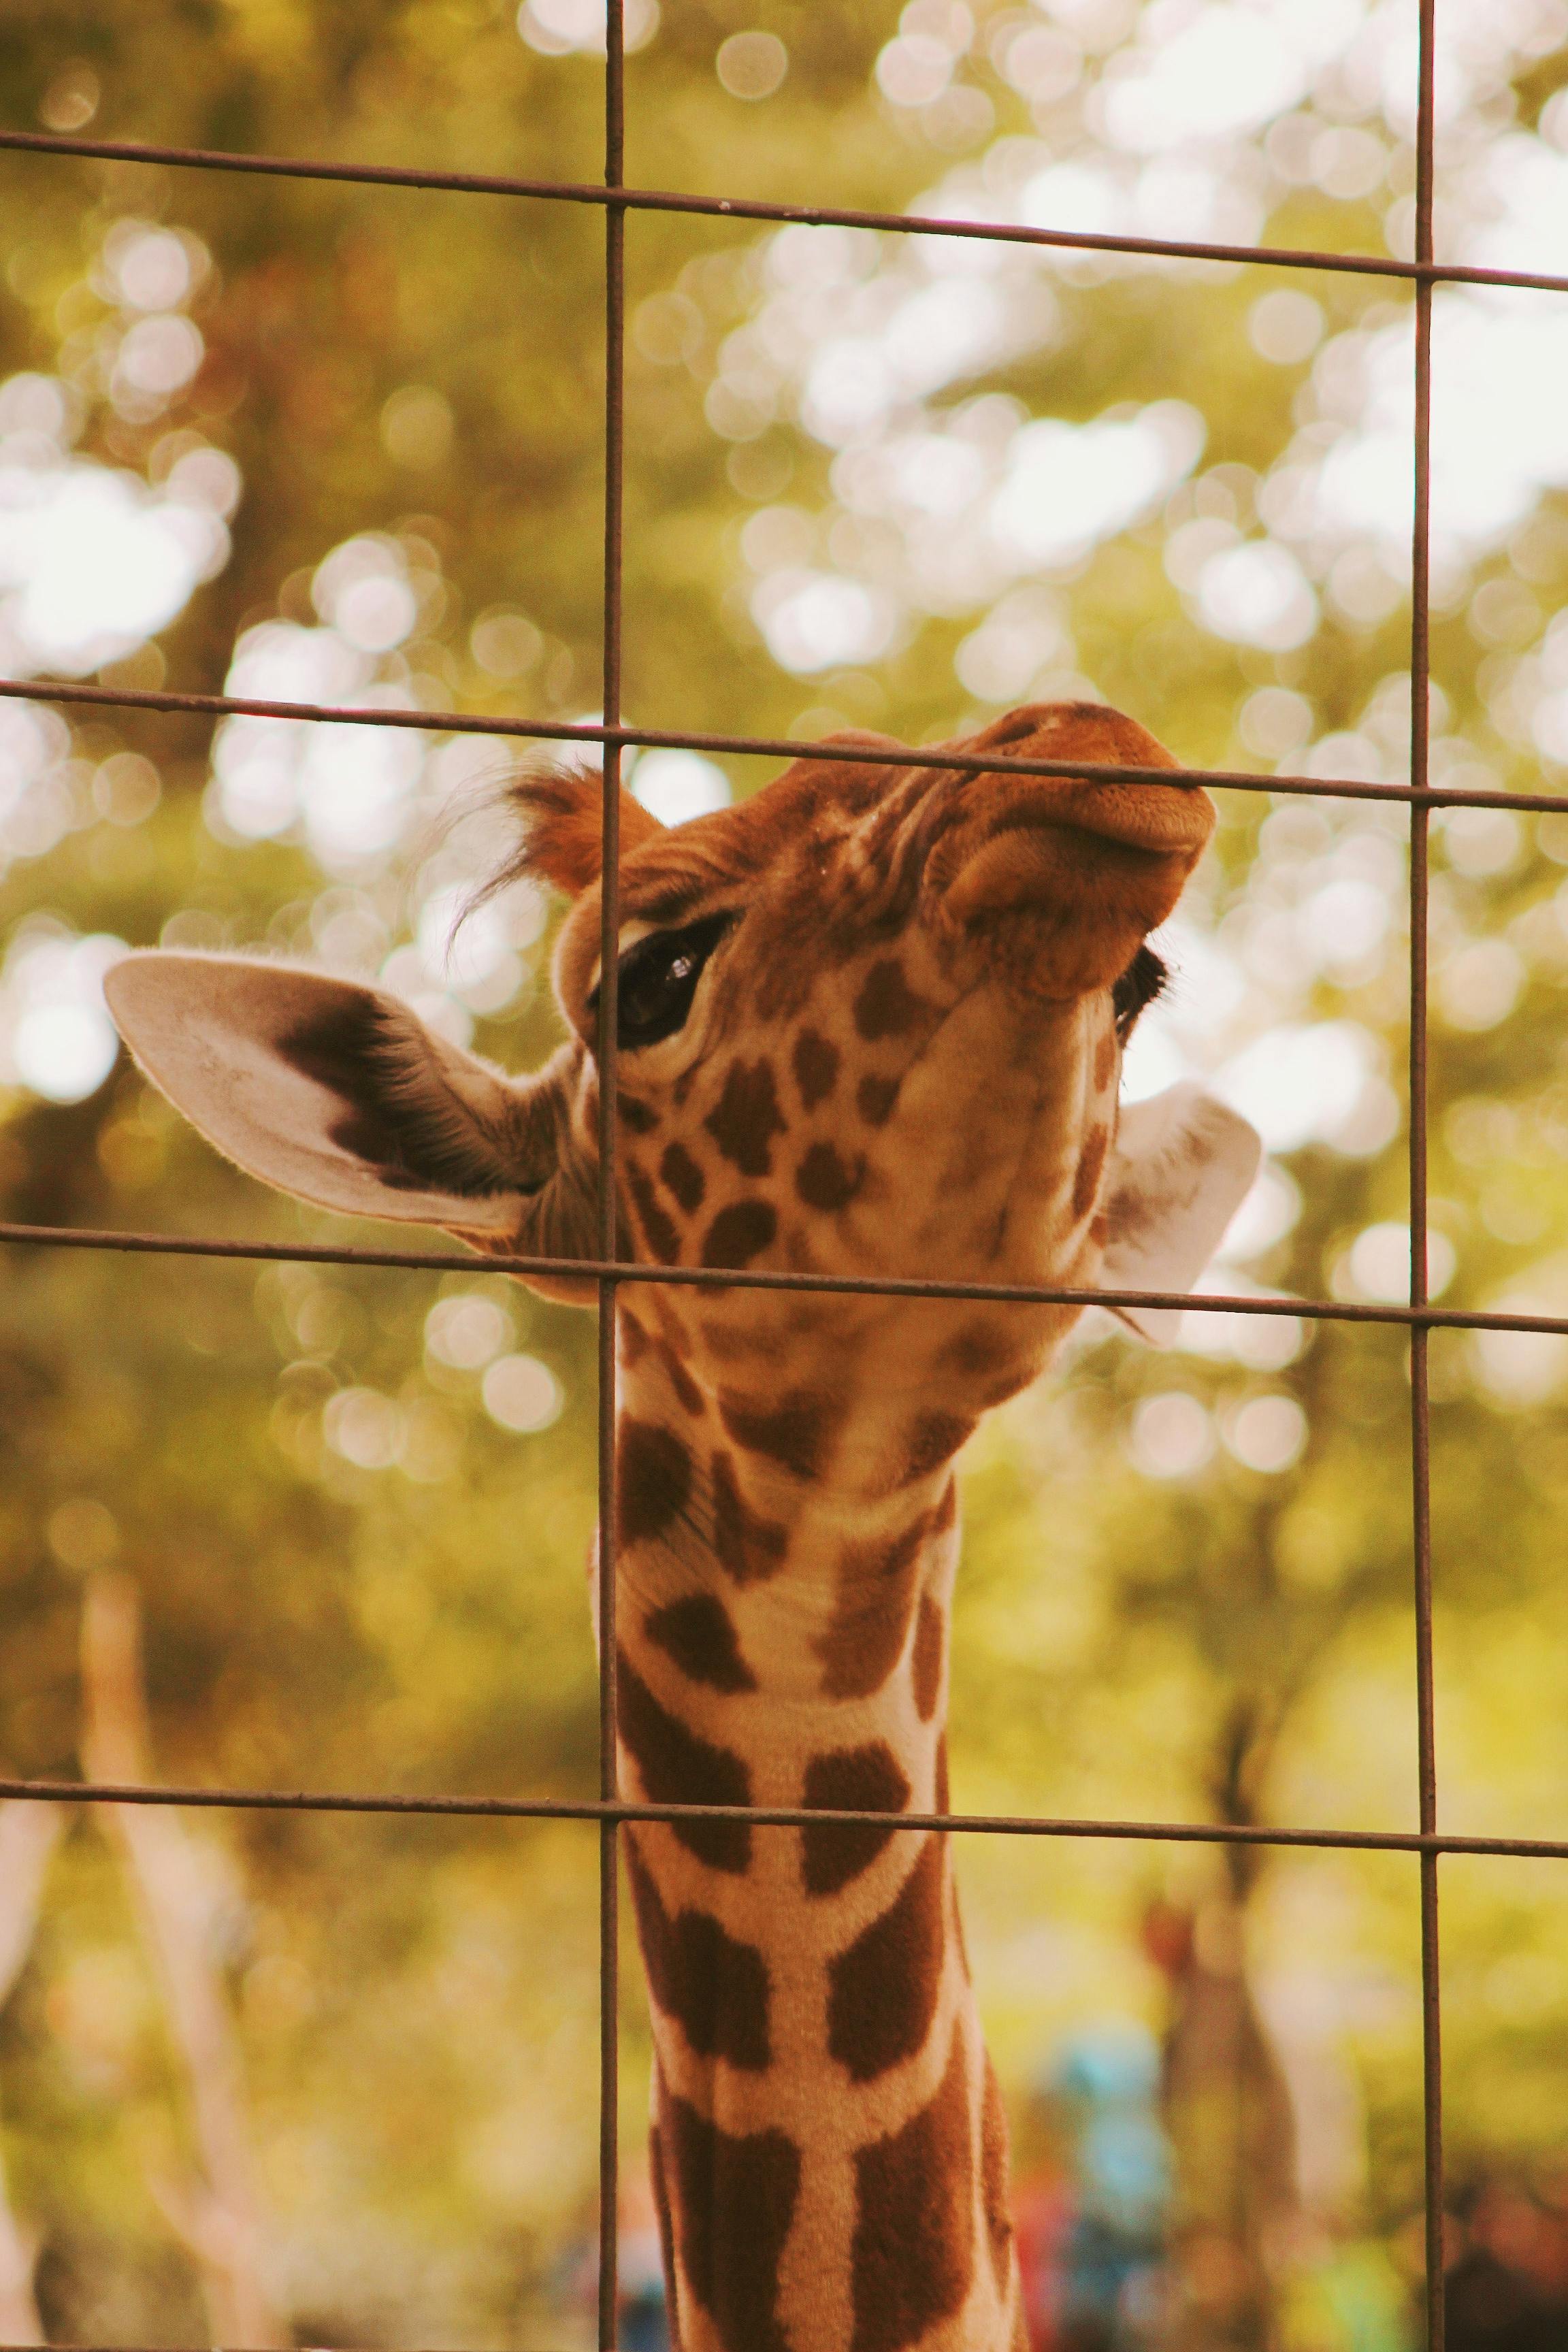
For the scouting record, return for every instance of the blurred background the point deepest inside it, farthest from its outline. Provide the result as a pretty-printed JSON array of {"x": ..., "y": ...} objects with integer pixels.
[{"x": 271, "y": 2079}]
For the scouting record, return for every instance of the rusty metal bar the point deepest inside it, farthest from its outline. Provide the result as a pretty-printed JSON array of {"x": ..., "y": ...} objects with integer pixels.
[
  {"x": 1429, "y": 1317},
  {"x": 786, "y": 1817},
  {"x": 748, "y": 208},
  {"x": 609, "y": 1237},
  {"x": 782, "y": 747},
  {"x": 1420, "y": 1335}
]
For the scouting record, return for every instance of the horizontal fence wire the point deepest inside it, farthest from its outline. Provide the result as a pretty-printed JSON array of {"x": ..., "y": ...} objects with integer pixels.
[
  {"x": 1423, "y": 1316},
  {"x": 612, "y": 738},
  {"x": 1421, "y": 270},
  {"x": 779, "y": 1817},
  {"x": 941, "y": 756}
]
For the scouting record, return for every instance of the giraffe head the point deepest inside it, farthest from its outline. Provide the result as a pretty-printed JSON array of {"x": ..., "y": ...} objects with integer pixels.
[{"x": 870, "y": 1021}]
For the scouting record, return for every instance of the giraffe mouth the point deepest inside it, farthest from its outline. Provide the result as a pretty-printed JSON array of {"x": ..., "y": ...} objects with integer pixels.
[
  {"x": 1155, "y": 819},
  {"x": 1155, "y": 812},
  {"x": 1041, "y": 838},
  {"x": 1075, "y": 872}
]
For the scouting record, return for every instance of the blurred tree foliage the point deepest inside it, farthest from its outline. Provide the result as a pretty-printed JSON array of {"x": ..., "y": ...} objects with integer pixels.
[{"x": 359, "y": 1573}]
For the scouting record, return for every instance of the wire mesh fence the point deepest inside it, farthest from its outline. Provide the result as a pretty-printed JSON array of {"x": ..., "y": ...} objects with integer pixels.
[{"x": 1419, "y": 1316}]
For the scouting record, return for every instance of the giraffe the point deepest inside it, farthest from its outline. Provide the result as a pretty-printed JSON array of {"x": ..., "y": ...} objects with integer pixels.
[{"x": 870, "y": 1023}]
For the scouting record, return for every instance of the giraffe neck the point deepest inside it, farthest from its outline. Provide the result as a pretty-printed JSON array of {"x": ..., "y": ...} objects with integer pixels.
[{"x": 829, "y": 2149}]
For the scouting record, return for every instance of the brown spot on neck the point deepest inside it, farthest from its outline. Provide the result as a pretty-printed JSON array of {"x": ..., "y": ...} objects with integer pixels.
[
  {"x": 748, "y": 1547},
  {"x": 746, "y": 1118},
  {"x": 826, "y": 1181},
  {"x": 925, "y": 1665},
  {"x": 798, "y": 1432},
  {"x": 658, "y": 1228},
  {"x": 653, "y": 1479},
  {"x": 875, "y": 1098},
  {"x": 816, "y": 1062},
  {"x": 912, "y": 2254},
  {"x": 739, "y": 1233},
  {"x": 676, "y": 1767},
  {"x": 984, "y": 1346},
  {"x": 714, "y": 1988},
  {"x": 658, "y": 2182},
  {"x": 682, "y": 1177},
  {"x": 688, "y": 1396},
  {"x": 699, "y": 1634},
  {"x": 886, "y": 1006},
  {"x": 734, "y": 2200},
  {"x": 883, "y": 1989},
  {"x": 849, "y": 1780},
  {"x": 934, "y": 1438},
  {"x": 1105, "y": 1059},
  {"x": 871, "y": 1622},
  {"x": 993, "y": 2180},
  {"x": 636, "y": 1117}
]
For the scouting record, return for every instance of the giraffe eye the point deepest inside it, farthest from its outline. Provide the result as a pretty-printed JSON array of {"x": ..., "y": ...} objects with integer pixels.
[
  {"x": 1138, "y": 985},
  {"x": 656, "y": 979}
]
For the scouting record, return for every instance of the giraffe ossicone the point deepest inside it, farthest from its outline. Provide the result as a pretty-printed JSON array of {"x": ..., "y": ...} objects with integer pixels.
[{"x": 870, "y": 1023}]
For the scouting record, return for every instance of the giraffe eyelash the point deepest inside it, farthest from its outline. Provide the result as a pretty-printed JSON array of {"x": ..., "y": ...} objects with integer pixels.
[{"x": 1144, "y": 980}]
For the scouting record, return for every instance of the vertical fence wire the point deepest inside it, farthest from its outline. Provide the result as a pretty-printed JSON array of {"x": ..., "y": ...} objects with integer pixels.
[
  {"x": 1420, "y": 1337},
  {"x": 609, "y": 936}
]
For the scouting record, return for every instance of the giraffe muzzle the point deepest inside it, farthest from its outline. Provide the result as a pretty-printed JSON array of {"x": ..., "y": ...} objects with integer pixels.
[
  {"x": 1158, "y": 819},
  {"x": 1123, "y": 848}
]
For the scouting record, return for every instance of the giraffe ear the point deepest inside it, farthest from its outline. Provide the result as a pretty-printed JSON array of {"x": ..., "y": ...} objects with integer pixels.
[
  {"x": 340, "y": 1095},
  {"x": 563, "y": 809},
  {"x": 1183, "y": 1165}
]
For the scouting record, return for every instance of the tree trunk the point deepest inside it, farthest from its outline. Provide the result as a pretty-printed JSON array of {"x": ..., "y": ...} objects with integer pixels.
[
  {"x": 28, "y": 1837},
  {"x": 179, "y": 1899},
  {"x": 1227, "y": 2106}
]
